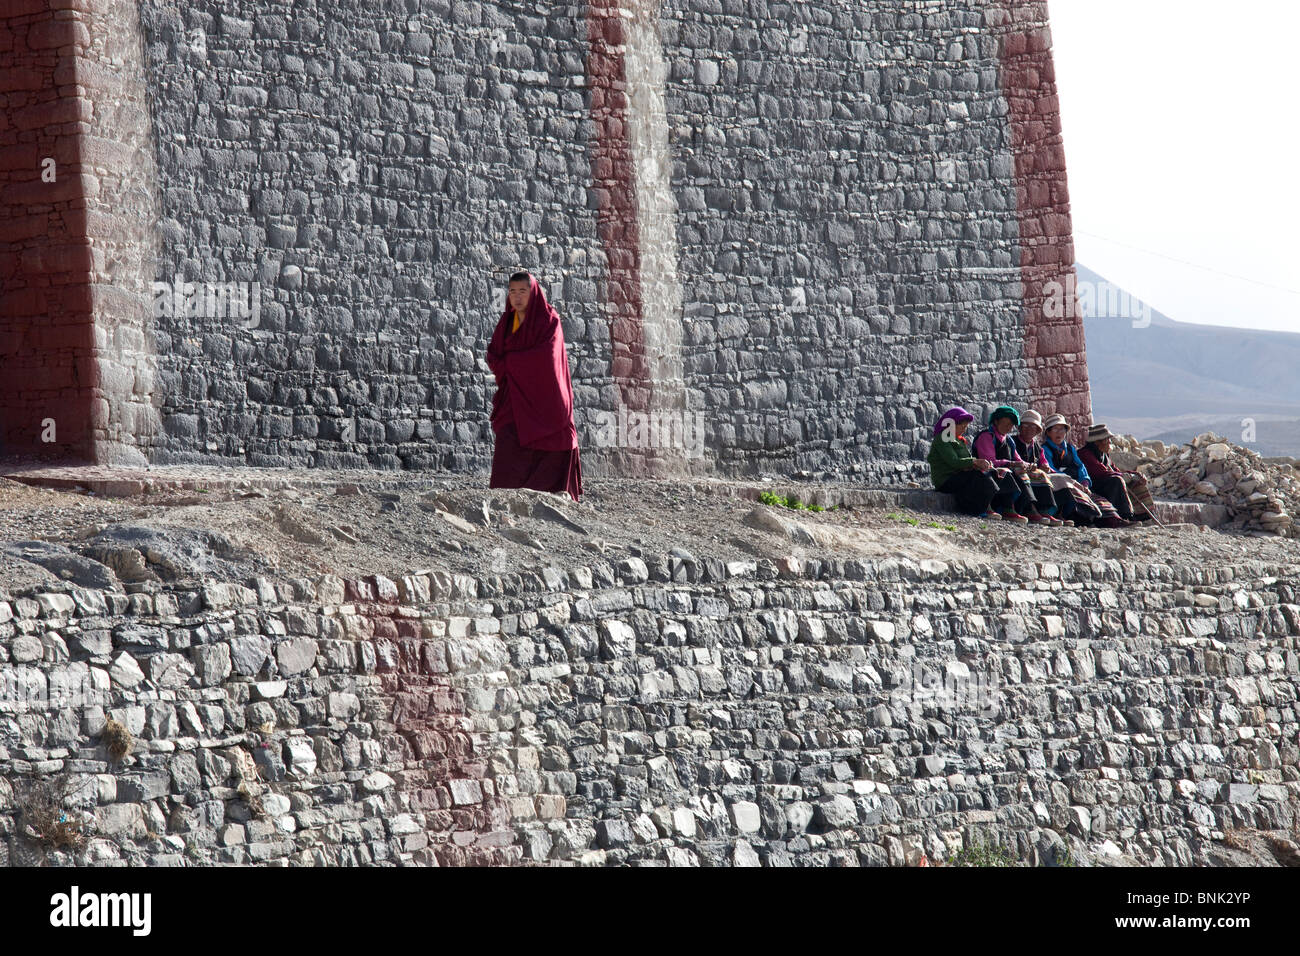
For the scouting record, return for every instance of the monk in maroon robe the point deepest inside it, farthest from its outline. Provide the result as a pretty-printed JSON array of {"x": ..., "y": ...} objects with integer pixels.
[{"x": 532, "y": 411}]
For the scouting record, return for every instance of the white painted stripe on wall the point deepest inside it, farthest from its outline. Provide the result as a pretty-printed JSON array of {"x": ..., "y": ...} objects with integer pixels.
[{"x": 661, "y": 290}]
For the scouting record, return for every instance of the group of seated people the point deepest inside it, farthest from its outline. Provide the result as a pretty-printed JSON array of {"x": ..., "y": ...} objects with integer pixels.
[{"x": 1035, "y": 475}]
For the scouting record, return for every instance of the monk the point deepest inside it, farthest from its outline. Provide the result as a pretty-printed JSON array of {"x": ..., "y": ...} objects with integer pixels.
[{"x": 532, "y": 411}]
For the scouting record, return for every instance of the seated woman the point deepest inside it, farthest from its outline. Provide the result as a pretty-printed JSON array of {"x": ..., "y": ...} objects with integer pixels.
[
  {"x": 1070, "y": 480},
  {"x": 955, "y": 471},
  {"x": 994, "y": 445},
  {"x": 1119, "y": 487},
  {"x": 1030, "y": 449}
]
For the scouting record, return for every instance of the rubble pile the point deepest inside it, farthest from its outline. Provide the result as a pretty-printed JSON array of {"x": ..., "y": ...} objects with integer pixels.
[{"x": 1261, "y": 494}]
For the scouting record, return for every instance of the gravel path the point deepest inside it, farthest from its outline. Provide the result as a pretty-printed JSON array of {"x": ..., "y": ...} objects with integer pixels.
[{"x": 356, "y": 523}]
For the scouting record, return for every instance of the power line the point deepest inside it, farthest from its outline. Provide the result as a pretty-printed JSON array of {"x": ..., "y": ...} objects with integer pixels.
[{"x": 1194, "y": 265}]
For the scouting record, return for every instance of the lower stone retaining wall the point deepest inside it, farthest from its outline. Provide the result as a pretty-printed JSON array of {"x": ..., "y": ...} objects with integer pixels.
[{"x": 665, "y": 710}]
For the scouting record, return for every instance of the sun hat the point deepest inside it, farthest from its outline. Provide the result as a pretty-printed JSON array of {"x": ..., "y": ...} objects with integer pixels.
[
  {"x": 1099, "y": 432},
  {"x": 1031, "y": 417},
  {"x": 1054, "y": 420}
]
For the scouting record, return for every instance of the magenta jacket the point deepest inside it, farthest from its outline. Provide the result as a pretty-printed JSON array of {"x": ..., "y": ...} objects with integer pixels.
[{"x": 984, "y": 448}]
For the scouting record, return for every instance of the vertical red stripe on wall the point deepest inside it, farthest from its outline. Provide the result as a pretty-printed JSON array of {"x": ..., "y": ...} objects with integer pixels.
[
  {"x": 46, "y": 331},
  {"x": 1054, "y": 346},
  {"x": 614, "y": 183},
  {"x": 442, "y": 773}
]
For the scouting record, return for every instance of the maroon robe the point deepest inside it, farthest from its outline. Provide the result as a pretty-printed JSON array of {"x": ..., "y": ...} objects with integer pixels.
[{"x": 532, "y": 411}]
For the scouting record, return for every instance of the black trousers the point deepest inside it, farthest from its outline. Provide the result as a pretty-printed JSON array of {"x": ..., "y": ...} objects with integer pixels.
[
  {"x": 1044, "y": 498},
  {"x": 1070, "y": 510},
  {"x": 1115, "y": 491},
  {"x": 976, "y": 493},
  {"x": 1014, "y": 491},
  {"x": 973, "y": 491}
]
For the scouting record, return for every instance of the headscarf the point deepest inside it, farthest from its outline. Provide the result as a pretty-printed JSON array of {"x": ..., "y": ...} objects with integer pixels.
[
  {"x": 956, "y": 415},
  {"x": 1004, "y": 411}
]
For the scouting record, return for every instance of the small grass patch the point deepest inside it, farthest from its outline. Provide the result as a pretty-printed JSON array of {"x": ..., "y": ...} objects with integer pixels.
[
  {"x": 983, "y": 854},
  {"x": 43, "y": 820},
  {"x": 116, "y": 739},
  {"x": 1236, "y": 839},
  {"x": 792, "y": 502},
  {"x": 1064, "y": 855}
]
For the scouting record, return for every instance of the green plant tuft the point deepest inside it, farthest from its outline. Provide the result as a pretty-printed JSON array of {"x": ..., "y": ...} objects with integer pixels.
[
  {"x": 983, "y": 854},
  {"x": 792, "y": 502},
  {"x": 1065, "y": 856}
]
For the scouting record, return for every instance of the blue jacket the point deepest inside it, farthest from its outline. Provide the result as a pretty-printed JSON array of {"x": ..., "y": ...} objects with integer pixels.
[{"x": 1071, "y": 465}]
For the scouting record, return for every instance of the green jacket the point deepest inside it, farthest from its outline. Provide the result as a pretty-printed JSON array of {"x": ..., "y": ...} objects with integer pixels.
[{"x": 946, "y": 458}]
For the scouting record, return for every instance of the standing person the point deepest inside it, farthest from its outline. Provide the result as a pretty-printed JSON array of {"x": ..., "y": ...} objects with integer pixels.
[
  {"x": 994, "y": 445},
  {"x": 1124, "y": 489},
  {"x": 532, "y": 411},
  {"x": 955, "y": 471}
]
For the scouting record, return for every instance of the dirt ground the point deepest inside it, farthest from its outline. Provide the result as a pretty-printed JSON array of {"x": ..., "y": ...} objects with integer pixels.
[{"x": 368, "y": 522}]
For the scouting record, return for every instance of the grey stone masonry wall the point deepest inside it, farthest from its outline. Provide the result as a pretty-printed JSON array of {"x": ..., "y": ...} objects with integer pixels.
[
  {"x": 843, "y": 193},
  {"x": 122, "y": 214},
  {"x": 847, "y": 221},
  {"x": 378, "y": 168},
  {"x": 669, "y": 709}
]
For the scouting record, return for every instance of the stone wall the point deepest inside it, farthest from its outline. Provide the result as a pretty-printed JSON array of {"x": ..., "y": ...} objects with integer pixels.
[
  {"x": 1054, "y": 347},
  {"x": 46, "y": 339},
  {"x": 349, "y": 161},
  {"x": 847, "y": 221},
  {"x": 118, "y": 153},
  {"x": 667, "y": 709},
  {"x": 809, "y": 227},
  {"x": 78, "y": 199}
]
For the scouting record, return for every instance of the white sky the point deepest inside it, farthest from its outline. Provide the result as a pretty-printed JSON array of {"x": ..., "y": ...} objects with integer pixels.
[{"x": 1179, "y": 119}]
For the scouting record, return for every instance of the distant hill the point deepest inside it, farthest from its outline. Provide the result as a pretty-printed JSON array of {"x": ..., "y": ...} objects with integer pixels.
[
  {"x": 1272, "y": 438},
  {"x": 1174, "y": 380}
]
